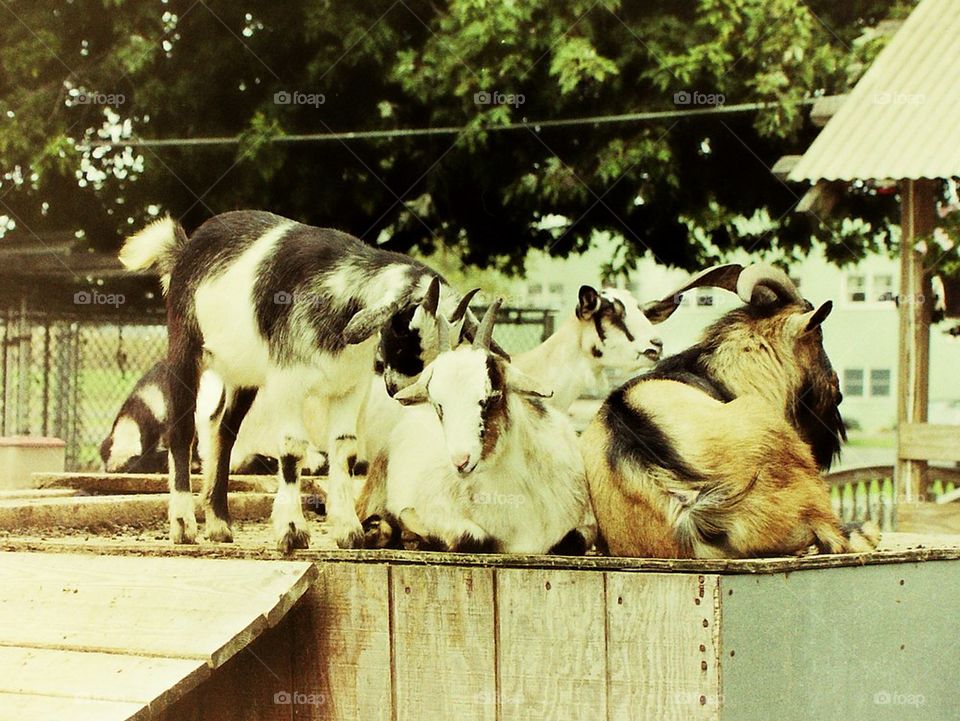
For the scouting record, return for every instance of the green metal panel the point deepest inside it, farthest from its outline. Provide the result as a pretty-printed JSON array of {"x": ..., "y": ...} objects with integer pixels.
[{"x": 871, "y": 643}]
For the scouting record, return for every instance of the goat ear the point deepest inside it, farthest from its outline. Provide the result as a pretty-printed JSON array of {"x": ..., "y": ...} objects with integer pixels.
[
  {"x": 589, "y": 302},
  {"x": 814, "y": 319},
  {"x": 719, "y": 276},
  {"x": 431, "y": 301},
  {"x": 658, "y": 311},
  {"x": 414, "y": 393},
  {"x": 520, "y": 382},
  {"x": 367, "y": 322}
]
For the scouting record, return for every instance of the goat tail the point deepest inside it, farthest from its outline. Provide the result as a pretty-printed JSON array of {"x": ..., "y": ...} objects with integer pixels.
[
  {"x": 705, "y": 519},
  {"x": 158, "y": 244}
]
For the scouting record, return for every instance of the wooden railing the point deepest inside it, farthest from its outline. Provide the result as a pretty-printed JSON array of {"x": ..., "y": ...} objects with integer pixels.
[{"x": 861, "y": 494}]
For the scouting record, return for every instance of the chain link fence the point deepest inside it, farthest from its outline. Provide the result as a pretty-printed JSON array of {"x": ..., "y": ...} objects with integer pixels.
[{"x": 67, "y": 376}]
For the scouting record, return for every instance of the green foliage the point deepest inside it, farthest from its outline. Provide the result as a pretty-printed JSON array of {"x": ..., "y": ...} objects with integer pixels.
[{"x": 678, "y": 188}]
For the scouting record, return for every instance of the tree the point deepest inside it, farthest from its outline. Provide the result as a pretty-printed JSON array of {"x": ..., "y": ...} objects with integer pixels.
[{"x": 679, "y": 187}]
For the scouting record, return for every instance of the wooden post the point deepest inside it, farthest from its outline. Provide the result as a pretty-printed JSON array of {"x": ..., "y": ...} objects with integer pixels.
[{"x": 915, "y": 305}]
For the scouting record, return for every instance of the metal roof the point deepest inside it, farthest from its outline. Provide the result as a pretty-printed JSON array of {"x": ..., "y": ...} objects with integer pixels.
[{"x": 902, "y": 120}]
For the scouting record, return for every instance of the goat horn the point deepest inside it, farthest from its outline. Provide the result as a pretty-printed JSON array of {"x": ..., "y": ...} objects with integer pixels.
[
  {"x": 719, "y": 276},
  {"x": 485, "y": 331},
  {"x": 445, "y": 340},
  {"x": 762, "y": 284},
  {"x": 431, "y": 301},
  {"x": 461, "y": 309}
]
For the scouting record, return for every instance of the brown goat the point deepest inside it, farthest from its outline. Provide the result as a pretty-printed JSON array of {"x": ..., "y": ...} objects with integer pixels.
[{"x": 706, "y": 457}]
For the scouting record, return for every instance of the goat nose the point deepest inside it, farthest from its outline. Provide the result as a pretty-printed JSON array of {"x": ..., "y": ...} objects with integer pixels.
[{"x": 460, "y": 461}]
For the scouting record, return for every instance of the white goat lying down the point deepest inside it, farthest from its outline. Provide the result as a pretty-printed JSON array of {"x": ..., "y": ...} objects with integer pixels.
[
  {"x": 488, "y": 468},
  {"x": 608, "y": 329}
]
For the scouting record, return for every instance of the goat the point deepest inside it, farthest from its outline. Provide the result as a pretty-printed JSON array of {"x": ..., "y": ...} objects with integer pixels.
[
  {"x": 281, "y": 310},
  {"x": 608, "y": 330},
  {"x": 137, "y": 439},
  {"x": 488, "y": 468},
  {"x": 709, "y": 455}
]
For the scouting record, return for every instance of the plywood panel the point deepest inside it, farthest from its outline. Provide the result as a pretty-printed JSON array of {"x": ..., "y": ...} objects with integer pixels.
[
  {"x": 181, "y": 608},
  {"x": 341, "y": 650},
  {"x": 848, "y": 643},
  {"x": 662, "y": 646},
  {"x": 443, "y": 636},
  {"x": 104, "y": 676},
  {"x": 550, "y": 645},
  {"x": 24, "y": 707}
]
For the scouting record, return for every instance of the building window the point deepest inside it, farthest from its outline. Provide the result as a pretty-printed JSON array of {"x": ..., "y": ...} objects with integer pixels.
[
  {"x": 883, "y": 287},
  {"x": 534, "y": 289},
  {"x": 856, "y": 288},
  {"x": 880, "y": 382},
  {"x": 556, "y": 289},
  {"x": 704, "y": 297},
  {"x": 853, "y": 382}
]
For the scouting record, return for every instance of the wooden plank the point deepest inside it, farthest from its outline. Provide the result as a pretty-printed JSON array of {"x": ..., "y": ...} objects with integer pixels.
[
  {"x": 100, "y": 512},
  {"x": 147, "y": 606},
  {"x": 663, "y": 646},
  {"x": 133, "y": 483},
  {"x": 98, "y": 676},
  {"x": 341, "y": 658},
  {"x": 929, "y": 442},
  {"x": 551, "y": 649},
  {"x": 22, "y": 707},
  {"x": 934, "y": 548},
  {"x": 928, "y": 518},
  {"x": 918, "y": 211},
  {"x": 443, "y": 643}
]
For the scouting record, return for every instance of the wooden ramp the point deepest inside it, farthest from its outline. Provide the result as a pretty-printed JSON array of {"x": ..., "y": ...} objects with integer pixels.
[{"x": 116, "y": 637}]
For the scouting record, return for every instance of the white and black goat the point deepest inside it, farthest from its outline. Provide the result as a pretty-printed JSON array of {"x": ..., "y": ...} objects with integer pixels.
[
  {"x": 137, "y": 442},
  {"x": 715, "y": 452},
  {"x": 285, "y": 310},
  {"x": 480, "y": 463},
  {"x": 608, "y": 330}
]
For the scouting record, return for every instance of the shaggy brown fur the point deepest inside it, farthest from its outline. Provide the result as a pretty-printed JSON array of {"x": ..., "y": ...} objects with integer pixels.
[{"x": 734, "y": 479}]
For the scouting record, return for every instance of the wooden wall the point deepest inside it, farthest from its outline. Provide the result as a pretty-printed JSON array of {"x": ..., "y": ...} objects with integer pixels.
[{"x": 436, "y": 642}]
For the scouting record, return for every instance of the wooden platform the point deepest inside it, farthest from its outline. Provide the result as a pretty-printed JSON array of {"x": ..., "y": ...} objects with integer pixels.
[{"x": 97, "y": 637}]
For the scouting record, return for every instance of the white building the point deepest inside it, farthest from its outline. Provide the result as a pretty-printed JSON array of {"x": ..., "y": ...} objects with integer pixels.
[{"x": 860, "y": 336}]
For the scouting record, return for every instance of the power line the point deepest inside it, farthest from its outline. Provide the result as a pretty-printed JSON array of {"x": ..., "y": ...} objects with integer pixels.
[{"x": 450, "y": 129}]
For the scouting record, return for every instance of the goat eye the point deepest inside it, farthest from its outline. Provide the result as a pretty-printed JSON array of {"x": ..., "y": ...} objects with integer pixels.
[{"x": 439, "y": 411}]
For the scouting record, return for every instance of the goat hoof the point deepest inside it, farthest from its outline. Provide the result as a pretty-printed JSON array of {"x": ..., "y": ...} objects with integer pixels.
[
  {"x": 218, "y": 531},
  {"x": 346, "y": 534},
  {"x": 295, "y": 538},
  {"x": 377, "y": 533},
  {"x": 183, "y": 530}
]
